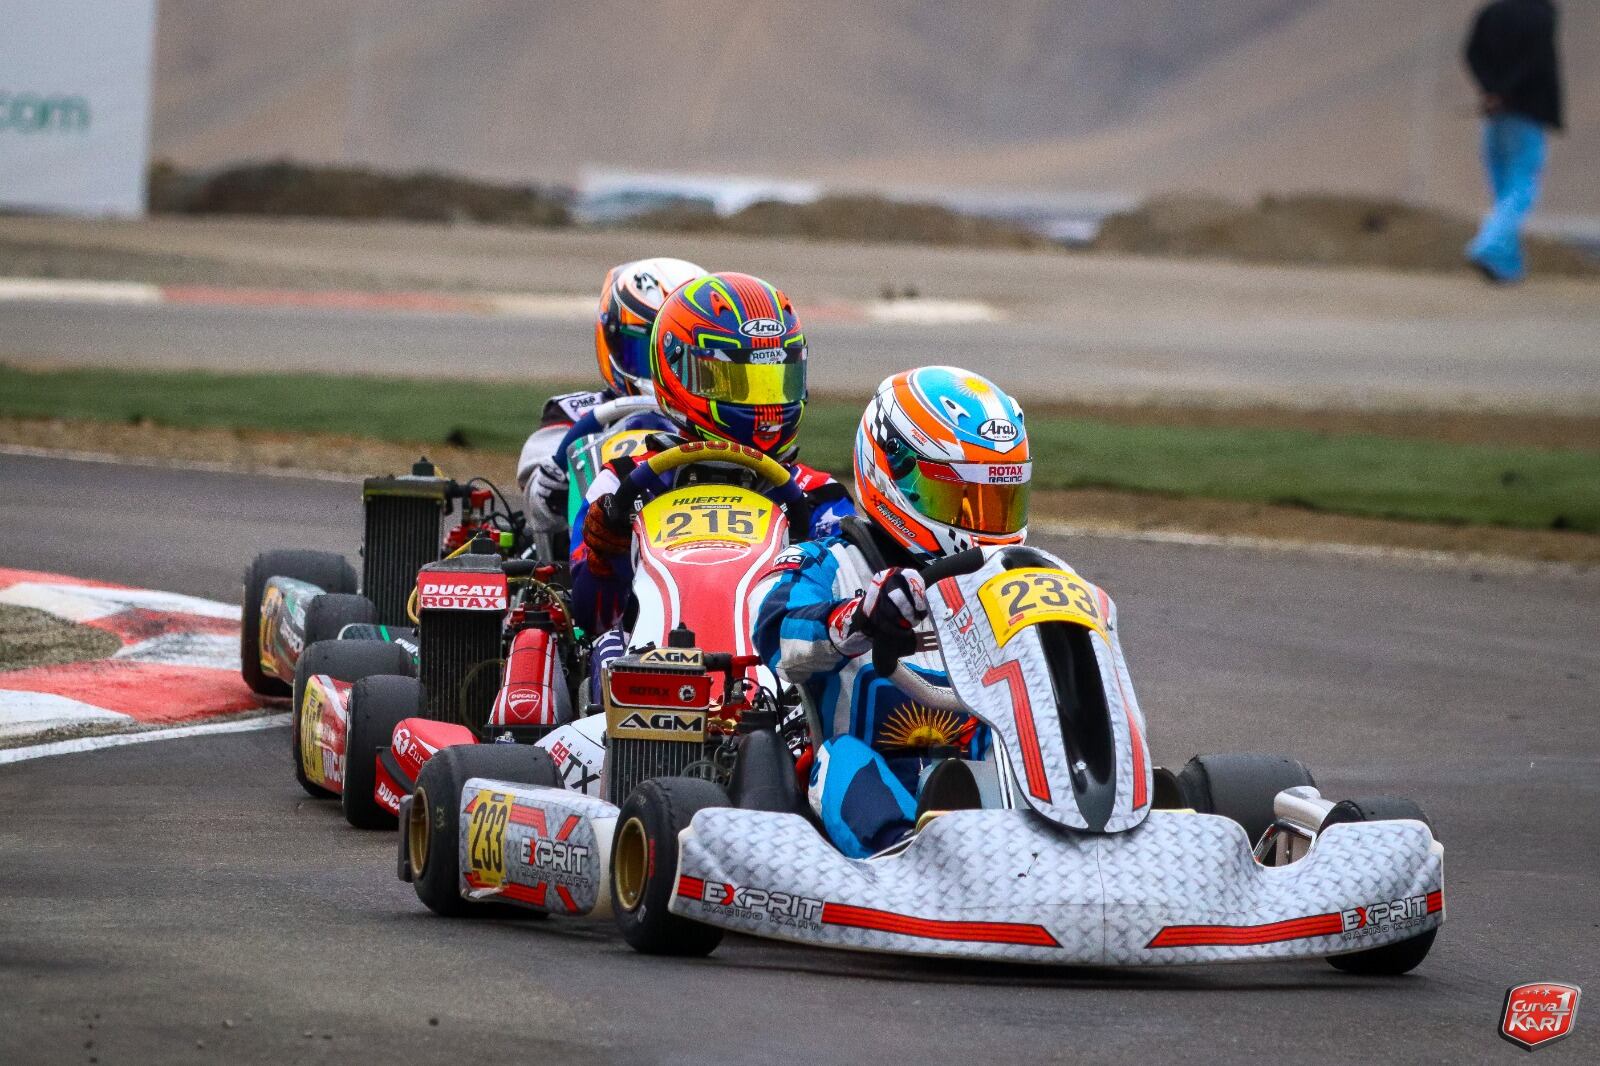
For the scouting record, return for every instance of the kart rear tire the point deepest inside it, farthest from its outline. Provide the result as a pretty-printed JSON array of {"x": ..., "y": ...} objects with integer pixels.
[
  {"x": 434, "y": 829},
  {"x": 644, "y": 866},
  {"x": 327, "y": 570},
  {"x": 346, "y": 660},
  {"x": 377, "y": 704},
  {"x": 1403, "y": 956},
  {"x": 1241, "y": 786},
  {"x": 329, "y": 613}
]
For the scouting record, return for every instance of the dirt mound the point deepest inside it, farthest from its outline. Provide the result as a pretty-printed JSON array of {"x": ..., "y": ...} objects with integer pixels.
[
  {"x": 854, "y": 218},
  {"x": 286, "y": 188},
  {"x": 1331, "y": 230}
]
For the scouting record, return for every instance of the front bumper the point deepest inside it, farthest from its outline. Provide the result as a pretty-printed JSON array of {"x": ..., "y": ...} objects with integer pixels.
[{"x": 1180, "y": 888}]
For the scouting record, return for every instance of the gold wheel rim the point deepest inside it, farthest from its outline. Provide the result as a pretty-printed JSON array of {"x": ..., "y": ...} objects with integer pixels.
[
  {"x": 632, "y": 864},
  {"x": 418, "y": 834}
]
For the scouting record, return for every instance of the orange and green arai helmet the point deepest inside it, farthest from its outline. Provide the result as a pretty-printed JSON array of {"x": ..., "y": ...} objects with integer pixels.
[
  {"x": 629, "y": 300},
  {"x": 728, "y": 362},
  {"x": 942, "y": 462}
]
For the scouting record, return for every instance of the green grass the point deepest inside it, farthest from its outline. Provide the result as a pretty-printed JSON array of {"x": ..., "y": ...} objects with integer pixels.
[{"x": 1351, "y": 474}]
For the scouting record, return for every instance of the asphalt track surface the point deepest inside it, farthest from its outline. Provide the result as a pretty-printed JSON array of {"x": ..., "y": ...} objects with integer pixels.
[
  {"x": 1297, "y": 360},
  {"x": 186, "y": 902}
]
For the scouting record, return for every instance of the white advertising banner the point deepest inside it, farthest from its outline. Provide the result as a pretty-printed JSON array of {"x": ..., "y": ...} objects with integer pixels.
[{"x": 75, "y": 105}]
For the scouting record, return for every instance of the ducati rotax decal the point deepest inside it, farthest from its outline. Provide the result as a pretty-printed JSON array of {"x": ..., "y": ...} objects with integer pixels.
[
  {"x": 1027, "y": 596},
  {"x": 445, "y": 591},
  {"x": 713, "y": 514}
]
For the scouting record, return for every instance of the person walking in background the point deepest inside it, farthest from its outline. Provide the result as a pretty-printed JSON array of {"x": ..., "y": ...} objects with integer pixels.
[{"x": 1512, "y": 54}]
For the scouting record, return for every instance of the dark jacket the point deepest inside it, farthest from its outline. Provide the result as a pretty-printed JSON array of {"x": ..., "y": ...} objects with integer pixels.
[{"x": 1512, "y": 53}]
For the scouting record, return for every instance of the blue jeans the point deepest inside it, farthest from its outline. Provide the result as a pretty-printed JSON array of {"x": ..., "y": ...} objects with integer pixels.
[{"x": 1513, "y": 157}]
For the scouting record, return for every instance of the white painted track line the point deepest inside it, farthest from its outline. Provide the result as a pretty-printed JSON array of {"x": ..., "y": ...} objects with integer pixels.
[{"x": 118, "y": 740}]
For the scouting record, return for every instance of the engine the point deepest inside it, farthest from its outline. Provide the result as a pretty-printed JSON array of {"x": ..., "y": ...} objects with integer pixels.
[{"x": 657, "y": 706}]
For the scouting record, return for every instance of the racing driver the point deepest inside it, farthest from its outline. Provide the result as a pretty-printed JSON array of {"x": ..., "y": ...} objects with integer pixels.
[
  {"x": 629, "y": 300},
  {"x": 727, "y": 362},
  {"x": 941, "y": 465}
]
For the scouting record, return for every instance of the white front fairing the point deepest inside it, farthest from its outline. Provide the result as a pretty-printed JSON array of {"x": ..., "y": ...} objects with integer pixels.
[{"x": 1179, "y": 888}]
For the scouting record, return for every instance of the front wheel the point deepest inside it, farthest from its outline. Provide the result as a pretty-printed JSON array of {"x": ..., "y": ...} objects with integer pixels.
[
  {"x": 1403, "y": 956},
  {"x": 1241, "y": 787},
  {"x": 644, "y": 866}
]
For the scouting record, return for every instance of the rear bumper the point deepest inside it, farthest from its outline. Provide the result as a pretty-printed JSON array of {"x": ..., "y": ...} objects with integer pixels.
[{"x": 1181, "y": 888}]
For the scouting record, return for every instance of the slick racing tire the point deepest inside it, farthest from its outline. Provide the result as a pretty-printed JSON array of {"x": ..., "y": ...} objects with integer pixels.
[
  {"x": 329, "y": 613},
  {"x": 1241, "y": 787},
  {"x": 1403, "y": 956},
  {"x": 377, "y": 704},
  {"x": 644, "y": 866},
  {"x": 326, "y": 570},
  {"x": 346, "y": 660},
  {"x": 433, "y": 831}
]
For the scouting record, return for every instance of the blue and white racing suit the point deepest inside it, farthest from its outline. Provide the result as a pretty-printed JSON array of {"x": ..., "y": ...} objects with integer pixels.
[{"x": 864, "y": 780}]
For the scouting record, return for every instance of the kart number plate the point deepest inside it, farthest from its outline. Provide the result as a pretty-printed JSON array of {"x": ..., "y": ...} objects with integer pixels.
[
  {"x": 729, "y": 516},
  {"x": 1025, "y": 597},
  {"x": 621, "y": 445},
  {"x": 486, "y": 839}
]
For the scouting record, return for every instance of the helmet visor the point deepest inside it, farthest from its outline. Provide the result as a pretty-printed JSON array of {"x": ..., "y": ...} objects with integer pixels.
[
  {"x": 989, "y": 498},
  {"x": 745, "y": 375}
]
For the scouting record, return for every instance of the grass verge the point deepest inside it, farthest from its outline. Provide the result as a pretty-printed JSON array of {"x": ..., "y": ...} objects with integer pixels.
[{"x": 1366, "y": 474}]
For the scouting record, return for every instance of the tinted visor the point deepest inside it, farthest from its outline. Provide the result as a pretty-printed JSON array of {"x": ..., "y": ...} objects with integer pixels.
[
  {"x": 744, "y": 375},
  {"x": 993, "y": 501}
]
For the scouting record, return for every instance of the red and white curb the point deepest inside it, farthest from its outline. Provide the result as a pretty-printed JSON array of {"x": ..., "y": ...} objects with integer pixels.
[
  {"x": 179, "y": 660},
  {"x": 545, "y": 307}
]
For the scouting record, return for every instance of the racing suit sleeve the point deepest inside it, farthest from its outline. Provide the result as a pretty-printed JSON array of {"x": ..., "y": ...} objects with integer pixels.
[
  {"x": 599, "y": 585},
  {"x": 798, "y": 619}
]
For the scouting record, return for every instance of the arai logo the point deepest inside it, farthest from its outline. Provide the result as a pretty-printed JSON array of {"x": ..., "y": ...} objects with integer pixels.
[
  {"x": 761, "y": 327},
  {"x": 998, "y": 429}
]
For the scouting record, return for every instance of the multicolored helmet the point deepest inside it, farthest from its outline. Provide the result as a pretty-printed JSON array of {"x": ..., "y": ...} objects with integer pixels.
[
  {"x": 629, "y": 300},
  {"x": 728, "y": 362},
  {"x": 942, "y": 462}
]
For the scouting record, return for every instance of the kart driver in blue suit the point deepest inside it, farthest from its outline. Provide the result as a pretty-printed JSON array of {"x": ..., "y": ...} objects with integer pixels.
[{"x": 941, "y": 465}]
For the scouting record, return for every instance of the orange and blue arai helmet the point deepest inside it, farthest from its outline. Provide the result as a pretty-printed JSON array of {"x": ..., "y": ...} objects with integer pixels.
[
  {"x": 942, "y": 462},
  {"x": 728, "y": 362},
  {"x": 629, "y": 299}
]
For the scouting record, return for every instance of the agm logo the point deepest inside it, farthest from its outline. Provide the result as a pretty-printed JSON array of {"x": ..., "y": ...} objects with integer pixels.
[{"x": 664, "y": 723}]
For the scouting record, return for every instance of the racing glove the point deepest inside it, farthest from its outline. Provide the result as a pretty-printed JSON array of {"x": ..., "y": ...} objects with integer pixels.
[
  {"x": 891, "y": 607},
  {"x": 605, "y": 534},
  {"x": 547, "y": 497}
]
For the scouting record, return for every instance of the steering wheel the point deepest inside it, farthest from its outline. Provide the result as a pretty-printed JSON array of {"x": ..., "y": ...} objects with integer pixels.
[
  {"x": 645, "y": 482},
  {"x": 886, "y": 660}
]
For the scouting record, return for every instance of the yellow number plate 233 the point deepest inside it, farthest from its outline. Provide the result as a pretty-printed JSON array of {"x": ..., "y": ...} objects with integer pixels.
[
  {"x": 715, "y": 513},
  {"x": 1025, "y": 597},
  {"x": 486, "y": 839}
]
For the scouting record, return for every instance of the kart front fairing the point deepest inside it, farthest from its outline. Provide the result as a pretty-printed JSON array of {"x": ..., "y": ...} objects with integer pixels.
[
  {"x": 1077, "y": 868},
  {"x": 1009, "y": 885}
]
